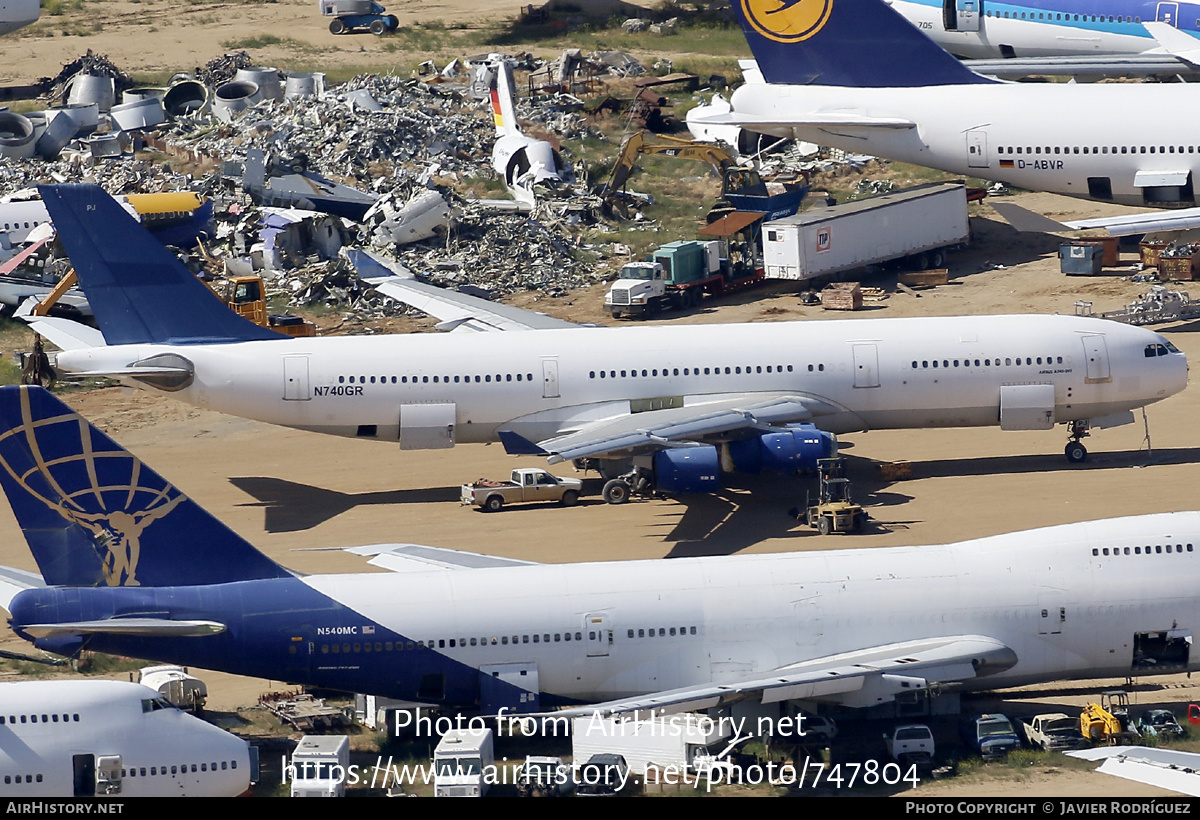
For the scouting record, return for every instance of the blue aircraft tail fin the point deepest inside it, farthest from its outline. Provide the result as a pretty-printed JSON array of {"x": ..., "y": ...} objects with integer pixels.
[
  {"x": 95, "y": 515},
  {"x": 854, "y": 43},
  {"x": 138, "y": 291}
]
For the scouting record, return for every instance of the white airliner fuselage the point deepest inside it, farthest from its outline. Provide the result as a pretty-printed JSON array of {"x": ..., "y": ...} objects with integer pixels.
[
  {"x": 851, "y": 375},
  {"x": 1051, "y": 137},
  {"x": 56, "y": 736},
  {"x": 1066, "y": 602}
]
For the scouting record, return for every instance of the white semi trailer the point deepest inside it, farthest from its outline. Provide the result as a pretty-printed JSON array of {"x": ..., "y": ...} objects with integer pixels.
[{"x": 919, "y": 223}]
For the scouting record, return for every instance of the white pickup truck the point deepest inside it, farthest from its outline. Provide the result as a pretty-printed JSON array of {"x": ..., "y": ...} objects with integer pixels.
[{"x": 526, "y": 484}]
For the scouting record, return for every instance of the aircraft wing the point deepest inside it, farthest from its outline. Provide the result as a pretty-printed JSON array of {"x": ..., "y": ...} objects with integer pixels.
[
  {"x": 862, "y": 678},
  {"x": 455, "y": 311},
  {"x": 1171, "y": 769},
  {"x": 420, "y": 558},
  {"x": 14, "y": 580},
  {"x": 1112, "y": 65},
  {"x": 1123, "y": 225},
  {"x": 637, "y": 433},
  {"x": 136, "y": 627}
]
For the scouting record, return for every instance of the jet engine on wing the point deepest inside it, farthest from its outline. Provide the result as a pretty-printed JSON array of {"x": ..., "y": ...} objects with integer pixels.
[{"x": 697, "y": 469}]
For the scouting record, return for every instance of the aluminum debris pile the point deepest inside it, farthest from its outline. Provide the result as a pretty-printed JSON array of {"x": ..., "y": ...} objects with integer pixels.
[
  {"x": 96, "y": 64},
  {"x": 1180, "y": 249},
  {"x": 342, "y": 136},
  {"x": 501, "y": 254},
  {"x": 220, "y": 70}
]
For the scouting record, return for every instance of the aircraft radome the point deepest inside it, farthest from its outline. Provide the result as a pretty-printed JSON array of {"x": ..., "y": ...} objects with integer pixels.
[
  {"x": 136, "y": 568},
  {"x": 682, "y": 402}
]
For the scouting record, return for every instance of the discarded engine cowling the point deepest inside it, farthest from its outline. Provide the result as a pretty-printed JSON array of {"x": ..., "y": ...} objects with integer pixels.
[
  {"x": 234, "y": 98},
  {"x": 186, "y": 97},
  {"x": 16, "y": 135}
]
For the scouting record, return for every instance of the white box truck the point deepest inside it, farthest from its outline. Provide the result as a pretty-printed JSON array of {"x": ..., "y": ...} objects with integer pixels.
[
  {"x": 920, "y": 223},
  {"x": 319, "y": 766},
  {"x": 463, "y": 762},
  {"x": 667, "y": 741}
]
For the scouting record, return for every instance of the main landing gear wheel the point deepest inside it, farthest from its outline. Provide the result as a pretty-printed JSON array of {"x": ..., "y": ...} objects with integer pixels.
[
  {"x": 616, "y": 491},
  {"x": 1076, "y": 452}
]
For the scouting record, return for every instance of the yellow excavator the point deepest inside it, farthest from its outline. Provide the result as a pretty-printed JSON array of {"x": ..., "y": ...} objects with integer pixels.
[{"x": 742, "y": 188}]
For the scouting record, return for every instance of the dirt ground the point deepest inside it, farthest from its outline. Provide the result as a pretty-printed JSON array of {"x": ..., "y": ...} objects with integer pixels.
[
  {"x": 292, "y": 493},
  {"x": 165, "y": 36}
]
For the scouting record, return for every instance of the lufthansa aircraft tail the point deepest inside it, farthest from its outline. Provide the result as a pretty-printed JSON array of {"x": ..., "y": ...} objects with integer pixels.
[
  {"x": 138, "y": 291},
  {"x": 94, "y": 515},
  {"x": 855, "y": 43}
]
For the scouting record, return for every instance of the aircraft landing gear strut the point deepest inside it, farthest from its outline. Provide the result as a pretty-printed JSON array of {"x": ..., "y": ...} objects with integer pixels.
[{"x": 1076, "y": 453}]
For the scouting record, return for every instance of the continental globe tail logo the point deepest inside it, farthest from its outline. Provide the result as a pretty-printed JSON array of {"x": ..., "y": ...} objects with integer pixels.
[{"x": 787, "y": 21}]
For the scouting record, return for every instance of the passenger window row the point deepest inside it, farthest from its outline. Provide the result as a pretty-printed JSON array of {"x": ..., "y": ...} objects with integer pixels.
[
  {"x": 14, "y": 719},
  {"x": 156, "y": 771},
  {"x": 1097, "y": 149},
  {"x": 1158, "y": 549},
  {"x": 1007, "y": 362},
  {"x": 691, "y": 371},
  {"x": 499, "y": 377}
]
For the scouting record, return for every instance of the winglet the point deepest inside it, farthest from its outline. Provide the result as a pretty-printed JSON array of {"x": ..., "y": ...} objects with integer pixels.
[
  {"x": 517, "y": 445},
  {"x": 853, "y": 43},
  {"x": 139, "y": 292},
  {"x": 95, "y": 515}
]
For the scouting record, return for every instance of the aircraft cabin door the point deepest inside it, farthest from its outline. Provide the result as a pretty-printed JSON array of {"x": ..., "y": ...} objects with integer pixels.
[
  {"x": 961, "y": 15},
  {"x": 295, "y": 379},
  {"x": 1096, "y": 353},
  {"x": 977, "y": 149},
  {"x": 549, "y": 378},
  {"x": 599, "y": 634},
  {"x": 1167, "y": 13},
  {"x": 866, "y": 366}
]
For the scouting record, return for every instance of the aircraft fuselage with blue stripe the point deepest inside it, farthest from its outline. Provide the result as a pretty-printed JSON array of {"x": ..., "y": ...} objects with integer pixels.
[{"x": 981, "y": 29}]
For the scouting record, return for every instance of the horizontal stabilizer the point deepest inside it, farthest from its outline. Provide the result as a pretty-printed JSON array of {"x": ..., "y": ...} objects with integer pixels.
[
  {"x": 455, "y": 311},
  {"x": 1121, "y": 225},
  {"x": 420, "y": 558},
  {"x": 14, "y": 580},
  {"x": 841, "y": 120},
  {"x": 1177, "y": 43},
  {"x": 517, "y": 445},
  {"x": 135, "y": 627},
  {"x": 66, "y": 334}
]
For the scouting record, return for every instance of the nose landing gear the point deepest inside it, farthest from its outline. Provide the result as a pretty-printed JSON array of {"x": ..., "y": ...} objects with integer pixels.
[{"x": 1075, "y": 451}]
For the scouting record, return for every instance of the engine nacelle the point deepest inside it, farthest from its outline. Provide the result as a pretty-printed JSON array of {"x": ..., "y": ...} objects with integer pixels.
[
  {"x": 687, "y": 470},
  {"x": 796, "y": 448}
]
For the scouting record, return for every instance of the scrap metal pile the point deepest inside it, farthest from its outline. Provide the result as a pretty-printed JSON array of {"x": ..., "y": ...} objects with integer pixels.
[{"x": 377, "y": 144}]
